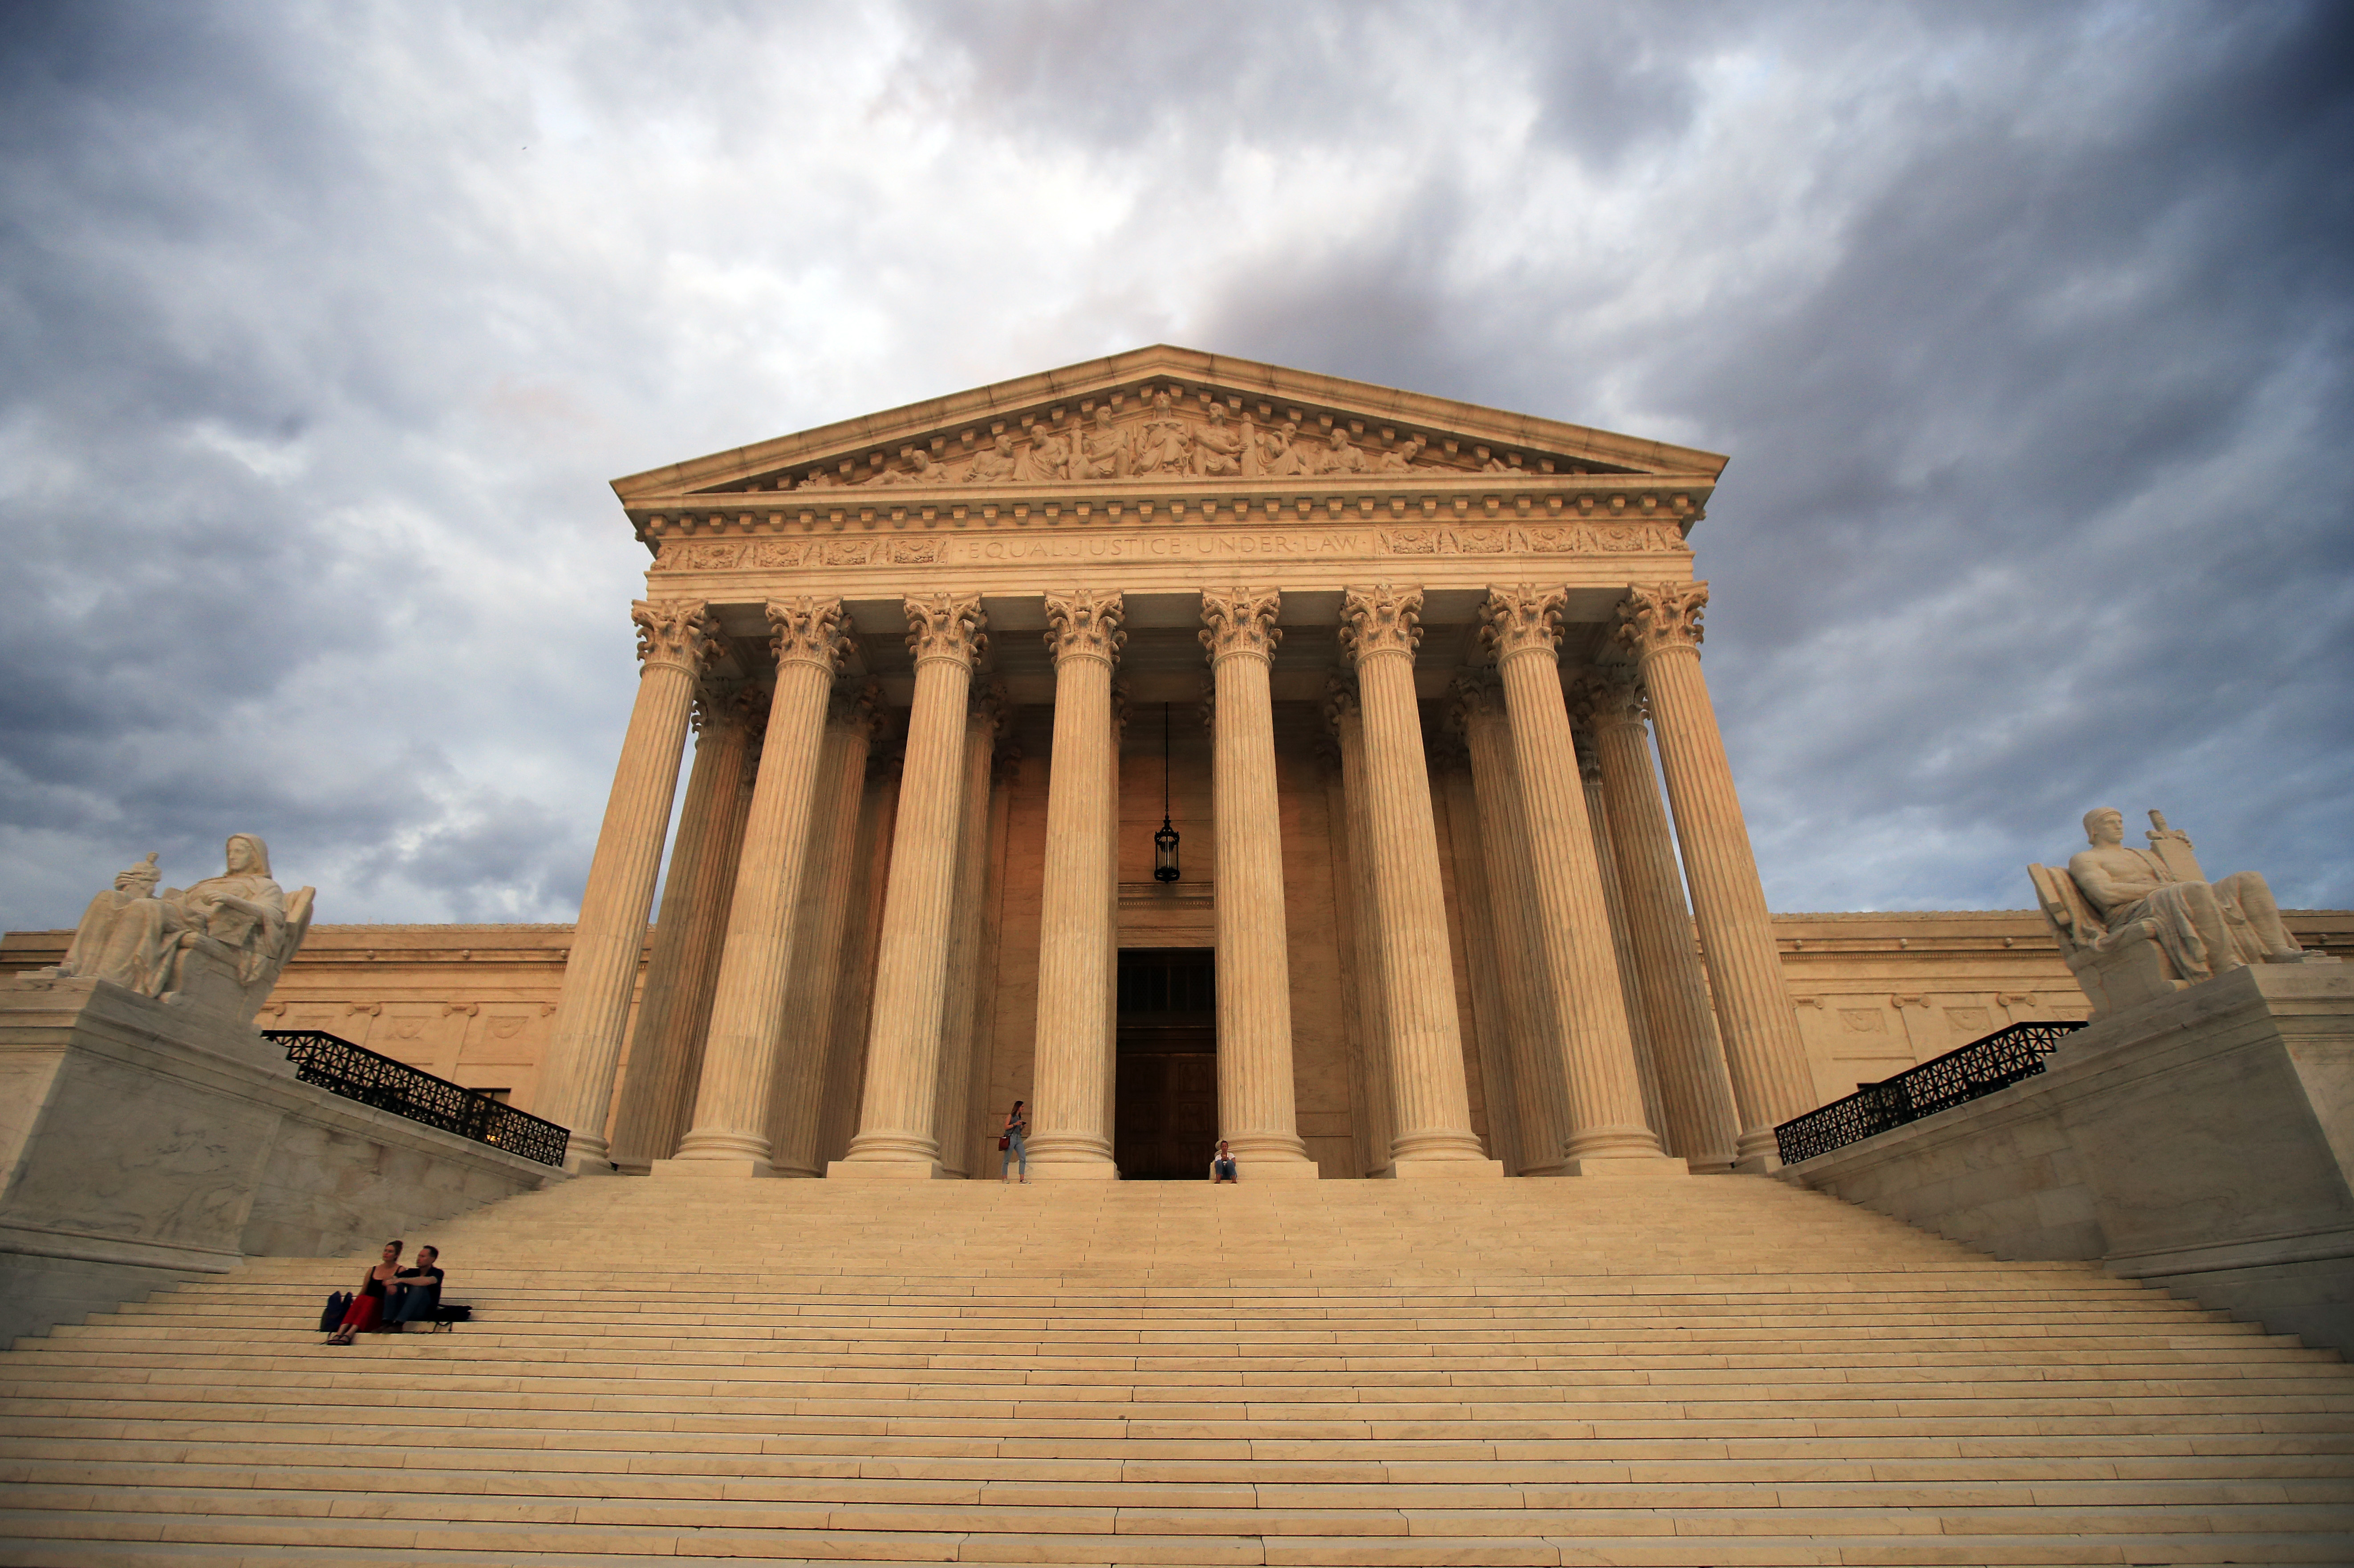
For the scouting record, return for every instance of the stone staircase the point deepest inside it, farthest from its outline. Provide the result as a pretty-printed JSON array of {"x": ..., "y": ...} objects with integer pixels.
[{"x": 1704, "y": 1373}]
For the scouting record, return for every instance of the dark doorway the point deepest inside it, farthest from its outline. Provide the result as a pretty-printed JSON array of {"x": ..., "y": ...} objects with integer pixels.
[{"x": 1167, "y": 1117}]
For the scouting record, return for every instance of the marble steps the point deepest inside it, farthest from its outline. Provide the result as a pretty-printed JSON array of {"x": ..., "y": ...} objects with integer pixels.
[{"x": 1185, "y": 1392}]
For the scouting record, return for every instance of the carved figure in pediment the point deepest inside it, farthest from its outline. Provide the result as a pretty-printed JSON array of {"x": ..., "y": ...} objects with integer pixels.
[
  {"x": 996, "y": 465},
  {"x": 1217, "y": 446},
  {"x": 1162, "y": 448},
  {"x": 1339, "y": 456},
  {"x": 1400, "y": 458},
  {"x": 1050, "y": 456},
  {"x": 1276, "y": 453},
  {"x": 1104, "y": 450},
  {"x": 817, "y": 479},
  {"x": 920, "y": 471}
]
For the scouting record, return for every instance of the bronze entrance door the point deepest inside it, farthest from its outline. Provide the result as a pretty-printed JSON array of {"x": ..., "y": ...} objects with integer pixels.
[{"x": 1166, "y": 1120}]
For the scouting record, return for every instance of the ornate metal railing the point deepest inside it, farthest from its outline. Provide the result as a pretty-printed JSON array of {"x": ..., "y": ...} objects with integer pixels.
[
  {"x": 1980, "y": 1067},
  {"x": 356, "y": 1072}
]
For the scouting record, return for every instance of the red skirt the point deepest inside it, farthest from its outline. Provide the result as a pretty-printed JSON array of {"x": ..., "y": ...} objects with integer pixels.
[{"x": 362, "y": 1314}]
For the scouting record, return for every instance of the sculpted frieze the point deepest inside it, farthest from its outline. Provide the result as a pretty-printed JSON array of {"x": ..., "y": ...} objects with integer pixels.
[{"x": 1164, "y": 433}]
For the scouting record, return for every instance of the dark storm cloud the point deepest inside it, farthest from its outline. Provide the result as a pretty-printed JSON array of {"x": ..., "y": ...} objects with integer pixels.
[{"x": 2025, "y": 328}]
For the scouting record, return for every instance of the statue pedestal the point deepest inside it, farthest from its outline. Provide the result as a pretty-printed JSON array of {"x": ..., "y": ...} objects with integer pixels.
[
  {"x": 2204, "y": 1142},
  {"x": 143, "y": 1144}
]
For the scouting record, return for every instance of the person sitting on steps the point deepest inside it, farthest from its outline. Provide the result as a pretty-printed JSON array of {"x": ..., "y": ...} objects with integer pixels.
[
  {"x": 367, "y": 1307},
  {"x": 417, "y": 1292},
  {"x": 1221, "y": 1166}
]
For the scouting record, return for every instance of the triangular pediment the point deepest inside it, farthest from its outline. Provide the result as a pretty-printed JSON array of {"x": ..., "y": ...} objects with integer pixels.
[{"x": 1169, "y": 414}]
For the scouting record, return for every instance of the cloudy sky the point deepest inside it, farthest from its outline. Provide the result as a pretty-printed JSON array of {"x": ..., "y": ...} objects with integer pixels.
[{"x": 324, "y": 326}]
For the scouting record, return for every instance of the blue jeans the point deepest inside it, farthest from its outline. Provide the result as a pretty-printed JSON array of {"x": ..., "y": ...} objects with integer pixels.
[
  {"x": 1222, "y": 1170},
  {"x": 1013, "y": 1151}
]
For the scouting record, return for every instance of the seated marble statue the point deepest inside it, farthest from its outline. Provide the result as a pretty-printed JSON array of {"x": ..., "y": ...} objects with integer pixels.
[
  {"x": 238, "y": 928},
  {"x": 2205, "y": 929}
]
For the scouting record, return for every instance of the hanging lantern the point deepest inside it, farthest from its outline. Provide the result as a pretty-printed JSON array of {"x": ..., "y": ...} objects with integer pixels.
[{"x": 1164, "y": 843}]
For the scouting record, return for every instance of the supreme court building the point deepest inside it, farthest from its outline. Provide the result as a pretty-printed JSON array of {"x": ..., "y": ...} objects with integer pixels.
[{"x": 1460, "y": 884}]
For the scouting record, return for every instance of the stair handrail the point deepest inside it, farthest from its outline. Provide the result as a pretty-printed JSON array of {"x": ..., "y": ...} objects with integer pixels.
[
  {"x": 356, "y": 1072},
  {"x": 1989, "y": 1062}
]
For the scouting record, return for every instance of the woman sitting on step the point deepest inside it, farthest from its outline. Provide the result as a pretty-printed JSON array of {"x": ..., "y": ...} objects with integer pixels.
[{"x": 368, "y": 1307}]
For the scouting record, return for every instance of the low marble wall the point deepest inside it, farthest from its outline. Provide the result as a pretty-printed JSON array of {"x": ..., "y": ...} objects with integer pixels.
[
  {"x": 141, "y": 1146},
  {"x": 2204, "y": 1142}
]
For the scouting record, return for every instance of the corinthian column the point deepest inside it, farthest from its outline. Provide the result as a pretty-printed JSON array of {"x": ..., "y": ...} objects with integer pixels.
[
  {"x": 1540, "y": 1102},
  {"x": 984, "y": 718},
  {"x": 1770, "y": 1083},
  {"x": 1346, "y": 718},
  {"x": 1431, "y": 1104},
  {"x": 1622, "y": 946},
  {"x": 1608, "y": 1134},
  {"x": 665, "y": 1044},
  {"x": 1694, "y": 1089},
  {"x": 911, "y": 967},
  {"x": 1255, "y": 1112},
  {"x": 1078, "y": 901},
  {"x": 730, "y": 1135},
  {"x": 852, "y": 718},
  {"x": 676, "y": 639}
]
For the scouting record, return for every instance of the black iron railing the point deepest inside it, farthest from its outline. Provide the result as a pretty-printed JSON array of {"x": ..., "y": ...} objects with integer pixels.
[
  {"x": 1980, "y": 1067},
  {"x": 356, "y": 1072}
]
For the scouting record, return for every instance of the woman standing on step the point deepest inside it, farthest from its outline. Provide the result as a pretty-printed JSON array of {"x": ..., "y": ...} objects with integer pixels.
[
  {"x": 1010, "y": 1141},
  {"x": 368, "y": 1305}
]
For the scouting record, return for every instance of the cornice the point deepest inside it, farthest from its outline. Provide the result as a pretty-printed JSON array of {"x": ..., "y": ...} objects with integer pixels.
[{"x": 959, "y": 426}]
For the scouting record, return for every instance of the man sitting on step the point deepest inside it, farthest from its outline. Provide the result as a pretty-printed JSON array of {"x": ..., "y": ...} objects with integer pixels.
[
  {"x": 1221, "y": 1166},
  {"x": 417, "y": 1292}
]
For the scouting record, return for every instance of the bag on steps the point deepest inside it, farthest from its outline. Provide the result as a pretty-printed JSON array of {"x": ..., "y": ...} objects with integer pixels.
[
  {"x": 338, "y": 1303},
  {"x": 450, "y": 1312}
]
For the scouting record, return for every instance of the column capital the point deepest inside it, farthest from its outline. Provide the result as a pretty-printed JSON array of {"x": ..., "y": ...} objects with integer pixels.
[
  {"x": 1476, "y": 697},
  {"x": 1380, "y": 619},
  {"x": 1240, "y": 621},
  {"x": 858, "y": 705},
  {"x": 989, "y": 702},
  {"x": 947, "y": 626},
  {"x": 1341, "y": 703},
  {"x": 1523, "y": 619},
  {"x": 1589, "y": 756},
  {"x": 808, "y": 632},
  {"x": 680, "y": 632},
  {"x": 1085, "y": 625},
  {"x": 1662, "y": 616},
  {"x": 1604, "y": 695}
]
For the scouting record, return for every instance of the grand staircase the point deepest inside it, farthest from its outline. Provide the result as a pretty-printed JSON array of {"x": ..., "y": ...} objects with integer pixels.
[{"x": 1710, "y": 1372}]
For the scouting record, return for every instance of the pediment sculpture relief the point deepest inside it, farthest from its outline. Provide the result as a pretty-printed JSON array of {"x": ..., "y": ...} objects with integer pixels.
[
  {"x": 218, "y": 944},
  {"x": 1164, "y": 437},
  {"x": 2137, "y": 924}
]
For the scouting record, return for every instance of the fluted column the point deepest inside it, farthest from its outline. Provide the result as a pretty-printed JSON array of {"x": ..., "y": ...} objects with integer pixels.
[
  {"x": 1607, "y": 1133},
  {"x": 1346, "y": 719},
  {"x": 1431, "y": 1106},
  {"x": 730, "y": 1135},
  {"x": 852, "y": 718},
  {"x": 666, "y": 1041},
  {"x": 1693, "y": 1088},
  {"x": 676, "y": 639},
  {"x": 1541, "y": 1105},
  {"x": 945, "y": 634},
  {"x": 1770, "y": 1081},
  {"x": 1454, "y": 797},
  {"x": 1622, "y": 946},
  {"x": 1255, "y": 1110},
  {"x": 1078, "y": 901},
  {"x": 985, "y": 716}
]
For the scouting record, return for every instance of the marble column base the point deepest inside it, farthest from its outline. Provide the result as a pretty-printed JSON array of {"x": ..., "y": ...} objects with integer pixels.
[
  {"x": 1444, "y": 1170},
  {"x": 1762, "y": 1164},
  {"x": 1275, "y": 1167},
  {"x": 735, "y": 1169},
  {"x": 887, "y": 1170},
  {"x": 1641, "y": 1167},
  {"x": 592, "y": 1162},
  {"x": 1078, "y": 1170}
]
